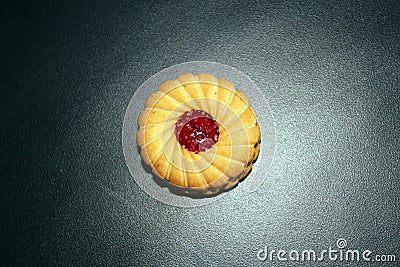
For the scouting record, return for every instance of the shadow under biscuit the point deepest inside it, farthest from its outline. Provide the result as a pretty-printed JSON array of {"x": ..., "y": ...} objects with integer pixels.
[{"x": 181, "y": 191}]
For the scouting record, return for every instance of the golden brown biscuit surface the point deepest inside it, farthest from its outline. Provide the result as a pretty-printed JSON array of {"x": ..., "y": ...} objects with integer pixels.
[{"x": 216, "y": 169}]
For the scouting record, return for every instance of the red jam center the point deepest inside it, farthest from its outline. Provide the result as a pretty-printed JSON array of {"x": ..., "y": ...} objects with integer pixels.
[{"x": 196, "y": 131}]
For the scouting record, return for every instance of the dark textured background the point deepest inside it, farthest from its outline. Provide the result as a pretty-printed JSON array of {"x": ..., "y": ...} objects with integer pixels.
[{"x": 331, "y": 74}]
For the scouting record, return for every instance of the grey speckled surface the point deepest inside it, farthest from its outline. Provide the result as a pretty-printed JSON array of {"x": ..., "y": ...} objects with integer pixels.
[{"x": 330, "y": 72}]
